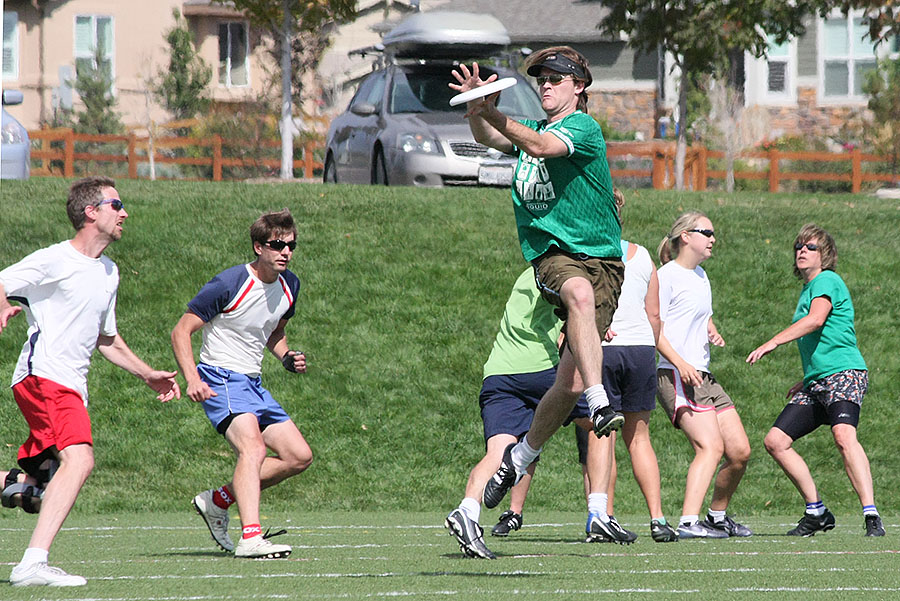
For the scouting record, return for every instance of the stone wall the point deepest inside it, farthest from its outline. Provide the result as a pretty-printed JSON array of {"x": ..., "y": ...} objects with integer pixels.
[{"x": 626, "y": 110}]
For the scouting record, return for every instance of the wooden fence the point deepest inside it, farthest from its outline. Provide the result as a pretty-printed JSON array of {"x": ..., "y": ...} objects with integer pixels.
[
  {"x": 136, "y": 151},
  {"x": 659, "y": 155}
]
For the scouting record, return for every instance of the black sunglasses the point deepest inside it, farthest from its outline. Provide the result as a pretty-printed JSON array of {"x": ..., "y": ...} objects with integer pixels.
[
  {"x": 808, "y": 245},
  {"x": 707, "y": 233},
  {"x": 278, "y": 245},
  {"x": 554, "y": 79},
  {"x": 114, "y": 202}
]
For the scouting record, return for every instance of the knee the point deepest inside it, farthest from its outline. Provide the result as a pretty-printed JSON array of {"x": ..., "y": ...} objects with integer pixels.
[
  {"x": 300, "y": 462},
  {"x": 254, "y": 452},
  {"x": 740, "y": 455},
  {"x": 845, "y": 439},
  {"x": 776, "y": 442},
  {"x": 578, "y": 296},
  {"x": 710, "y": 448}
]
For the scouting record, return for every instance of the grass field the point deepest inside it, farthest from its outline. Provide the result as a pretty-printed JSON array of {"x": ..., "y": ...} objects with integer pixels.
[{"x": 170, "y": 557}]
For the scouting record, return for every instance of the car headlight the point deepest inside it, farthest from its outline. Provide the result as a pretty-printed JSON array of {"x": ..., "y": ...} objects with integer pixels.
[
  {"x": 418, "y": 143},
  {"x": 13, "y": 133}
]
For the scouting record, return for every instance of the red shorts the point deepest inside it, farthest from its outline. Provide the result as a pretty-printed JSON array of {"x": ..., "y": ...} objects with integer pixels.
[{"x": 55, "y": 414}]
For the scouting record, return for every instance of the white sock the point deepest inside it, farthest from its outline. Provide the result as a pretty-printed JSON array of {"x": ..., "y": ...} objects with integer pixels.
[
  {"x": 596, "y": 397},
  {"x": 717, "y": 516},
  {"x": 471, "y": 507},
  {"x": 689, "y": 519},
  {"x": 597, "y": 502},
  {"x": 523, "y": 455},
  {"x": 34, "y": 555}
]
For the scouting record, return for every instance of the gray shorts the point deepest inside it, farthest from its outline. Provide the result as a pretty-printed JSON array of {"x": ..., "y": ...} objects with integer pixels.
[{"x": 675, "y": 396}]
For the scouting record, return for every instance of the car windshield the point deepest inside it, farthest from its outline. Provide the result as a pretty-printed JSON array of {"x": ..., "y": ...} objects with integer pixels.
[{"x": 424, "y": 89}]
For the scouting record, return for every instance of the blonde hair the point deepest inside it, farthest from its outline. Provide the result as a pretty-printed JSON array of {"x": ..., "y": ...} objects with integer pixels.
[
  {"x": 827, "y": 249},
  {"x": 671, "y": 244}
]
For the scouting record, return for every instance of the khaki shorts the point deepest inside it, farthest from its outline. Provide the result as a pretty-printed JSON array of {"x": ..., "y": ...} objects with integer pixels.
[
  {"x": 553, "y": 268},
  {"x": 675, "y": 396}
]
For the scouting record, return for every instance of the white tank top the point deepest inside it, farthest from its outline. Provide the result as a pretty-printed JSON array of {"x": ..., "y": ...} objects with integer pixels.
[{"x": 630, "y": 321}]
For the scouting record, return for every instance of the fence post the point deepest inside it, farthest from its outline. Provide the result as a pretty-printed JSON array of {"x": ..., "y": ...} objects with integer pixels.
[
  {"x": 658, "y": 174},
  {"x": 132, "y": 156},
  {"x": 308, "y": 160},
  {"x": 773, "y": 169},
  {"x": 700, "y": 181},
  {"x": 69, "y": 164},
  {"x": 856, "y": 177},
  {"x": 217, "y": 158},
  {"x": 46, "y": 164}
]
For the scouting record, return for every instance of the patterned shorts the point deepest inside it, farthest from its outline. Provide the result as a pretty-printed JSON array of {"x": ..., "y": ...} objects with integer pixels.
[{"x": 850, "y": 385}]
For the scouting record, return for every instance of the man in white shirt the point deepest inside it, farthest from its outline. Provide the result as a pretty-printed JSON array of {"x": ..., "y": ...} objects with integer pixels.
[{"x": 68, "y": 294}]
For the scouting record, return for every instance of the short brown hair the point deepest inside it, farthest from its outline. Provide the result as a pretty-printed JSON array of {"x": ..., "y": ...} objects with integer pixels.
[
  {"x": 84, "y": 193},
  {"x": 827, "y": 249},
  {"x": 538, "y": 57},
  {"x": 276, "y": 223}
]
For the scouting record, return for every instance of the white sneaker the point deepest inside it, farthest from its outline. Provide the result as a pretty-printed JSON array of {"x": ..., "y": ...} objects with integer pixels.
[
  {"x": 41, "y": 574},
  {"x": 215, "y": 517},
  {"x": 258, "y": 547}
]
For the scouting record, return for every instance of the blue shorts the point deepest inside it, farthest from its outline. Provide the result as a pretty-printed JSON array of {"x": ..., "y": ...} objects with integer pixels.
[
  {"x": 629, "y": 377},
  {"x": 237, "y": 394},
  {"x": 508, "y": 402}
]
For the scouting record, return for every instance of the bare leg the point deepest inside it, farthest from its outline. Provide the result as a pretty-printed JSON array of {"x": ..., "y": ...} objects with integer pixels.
[
  {"x": 75, "y": 465},
  {"x": 779, "y": 446},
  {"x": 701, "y": 429},
  {"x": 737, "y": 454},
  {"x": 636, "y": 434},
  {"x": 855, "y": 462}
]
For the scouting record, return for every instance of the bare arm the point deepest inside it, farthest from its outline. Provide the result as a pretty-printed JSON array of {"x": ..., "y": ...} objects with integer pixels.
[
  {"x": 713, "y": 334},
  {"x": 278, "y": 345},
  {"x": 118, "y": 353},
  {"x": 197, "y": 390},
  {"x": 651, "y": 304},
  {"x": 6, "y": 310},
  {"x": 689, "y": 375},
  {"x": 819, "y": 310}
]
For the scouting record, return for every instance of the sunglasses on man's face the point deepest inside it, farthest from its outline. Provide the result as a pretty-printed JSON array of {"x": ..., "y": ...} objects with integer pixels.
[
  {"x": 555, "y": 79},
  {"x": 707, "y": 233},
  {"x": 808, "y": 245},
  {"x": 278, "y": 245},
  {"x": 114, "y": 202}
]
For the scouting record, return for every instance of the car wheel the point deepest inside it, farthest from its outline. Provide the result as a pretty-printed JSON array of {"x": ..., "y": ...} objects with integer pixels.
[
  {"x": 329, "y": 174},
  {"x": 379, "y": 169}
]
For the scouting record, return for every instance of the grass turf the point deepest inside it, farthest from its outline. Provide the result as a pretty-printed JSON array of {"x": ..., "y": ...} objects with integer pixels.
[{"x": 362, "y": 555}]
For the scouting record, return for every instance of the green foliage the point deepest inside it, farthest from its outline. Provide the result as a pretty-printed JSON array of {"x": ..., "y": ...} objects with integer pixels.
[
  {"x": 883, "y": 87},
  {"x": 610, "y": 133},
  {"x": 402, "y": 291},
  {"x": 182, "y": 87},
  {"x": 94, "y": 84}
]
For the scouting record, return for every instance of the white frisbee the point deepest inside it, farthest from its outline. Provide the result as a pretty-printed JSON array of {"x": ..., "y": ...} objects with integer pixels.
[{"x": 485, "y": 90}]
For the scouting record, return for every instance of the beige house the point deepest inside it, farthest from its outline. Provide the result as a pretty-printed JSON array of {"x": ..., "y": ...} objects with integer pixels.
[{"x": 45, "y": 41}]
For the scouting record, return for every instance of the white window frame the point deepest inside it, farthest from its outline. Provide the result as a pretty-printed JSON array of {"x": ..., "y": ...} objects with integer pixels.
[
  {"x": 851, "y": 58},
  {"x": 12, "y": 44},
  {"x": 756, "y": 83},
  {"x": 78, "y": 54},
  {"x": 228, "y": 83}
]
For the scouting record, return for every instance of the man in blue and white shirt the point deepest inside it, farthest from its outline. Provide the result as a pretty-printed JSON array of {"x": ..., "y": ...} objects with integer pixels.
[{"x": 242, "y": 311}]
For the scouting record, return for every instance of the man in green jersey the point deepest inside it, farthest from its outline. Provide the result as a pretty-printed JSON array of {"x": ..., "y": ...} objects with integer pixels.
[{"x": 568, "y": 229}]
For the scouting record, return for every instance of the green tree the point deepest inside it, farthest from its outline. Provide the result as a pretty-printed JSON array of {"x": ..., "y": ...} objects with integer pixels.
[
  {"x": 283, "y": 18},
  {"x": 182, "y": 87},
  {"x": 98, "y": 114},
  {"x": 883, "y": 87},
  {"x": 699, "y": 34}
]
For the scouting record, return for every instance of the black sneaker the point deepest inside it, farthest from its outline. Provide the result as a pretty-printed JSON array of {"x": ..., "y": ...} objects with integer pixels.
[
  {"x": 662, "y": 533},
  {"x": 468, "y": 534},
  {"x": 729, "y": 526},
  {"x": 599, "y": 531},
  {"x": 510, "y": 520},
  {"x": 500, "y": 483},
  {"x": 874, "y": 527},
  {"x": 700, "y": 530},
  {"x": 606, "y": 421},
  {"x": 810, "y": 524}
]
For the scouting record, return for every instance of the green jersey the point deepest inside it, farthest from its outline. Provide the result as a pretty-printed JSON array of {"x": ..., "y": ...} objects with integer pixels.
[
  {"x": 526, "y": 342},
  {"x": 832, "y": 348},
  {"x": 567, "y": 201}
]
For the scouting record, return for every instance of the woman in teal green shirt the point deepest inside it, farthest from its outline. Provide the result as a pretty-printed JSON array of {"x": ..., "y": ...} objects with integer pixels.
[{"x": 834, "y": 382}]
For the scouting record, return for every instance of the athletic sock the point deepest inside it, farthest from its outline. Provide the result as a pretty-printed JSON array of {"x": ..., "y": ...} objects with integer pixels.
[
  {"x": 222, "y": 497},
  {"x": 660, "y": 520},
  {"x": 870, "y": 510},
  {"x": 717, "y": 516},
  {"x": 523, "y": 455},
  {"x": 34, "y": 555},
  {"x": 689, "y": 519},
  {"x": 471, "y": 507},
  {"x": 596, "y": 398},
  {"x": 251, "y": 530},
  {"x": 597, "y": 502},
  {"x": 817, "y": 509}
]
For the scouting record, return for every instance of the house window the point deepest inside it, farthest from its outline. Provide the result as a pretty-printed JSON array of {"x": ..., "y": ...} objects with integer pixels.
[
  {"x": 93, "y": 33},
  {"x": 233, "y": 44},
  {"x": 778, "y": 72},
  {"x": 848, "y": 55},
  {"x": 10, "y": 45}
]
